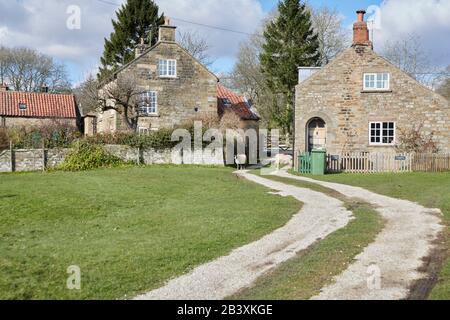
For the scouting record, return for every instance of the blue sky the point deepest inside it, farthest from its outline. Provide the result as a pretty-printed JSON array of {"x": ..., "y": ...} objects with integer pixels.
[
  {"x": 347, "y": 8},
  {"x": 42, "y": 25}
]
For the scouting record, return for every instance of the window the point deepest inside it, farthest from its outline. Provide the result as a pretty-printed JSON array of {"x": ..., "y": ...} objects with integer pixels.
[
  {"x": 3, "y": 122},
  {"x": 226, "y": 102},
  {"x": 168, "y": 68},
  {"x": 22, "y": 106},
  {"x": 382, "y": 133},
  {"x": 94, "y": 125},
  {"x": 376, "y": 81},
  {"x": 148, "y": 103},
  {"x": 143, "y": 131}
]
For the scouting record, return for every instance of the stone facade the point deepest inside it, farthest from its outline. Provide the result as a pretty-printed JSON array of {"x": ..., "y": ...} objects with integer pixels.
[
  {"x": 179, "y": 98},
  {"x": 336, "y": 96},
  {"x": 11, "y": 122}
]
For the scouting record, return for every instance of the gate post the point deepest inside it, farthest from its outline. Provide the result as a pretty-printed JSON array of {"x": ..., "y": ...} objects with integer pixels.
[{"x": 11, "y": 153}]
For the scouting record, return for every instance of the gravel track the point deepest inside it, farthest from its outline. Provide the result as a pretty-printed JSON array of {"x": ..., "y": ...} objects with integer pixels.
[
  {"x": 320, "y": 216},
  {"x": 397, "y": 254}
]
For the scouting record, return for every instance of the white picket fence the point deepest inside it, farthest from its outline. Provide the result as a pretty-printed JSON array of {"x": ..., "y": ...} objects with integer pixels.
[{"x": 366, "y": 162}]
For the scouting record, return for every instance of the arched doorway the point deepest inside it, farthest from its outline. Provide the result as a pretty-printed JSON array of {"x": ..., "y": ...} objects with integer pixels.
[{"x": 316, "y": 130}]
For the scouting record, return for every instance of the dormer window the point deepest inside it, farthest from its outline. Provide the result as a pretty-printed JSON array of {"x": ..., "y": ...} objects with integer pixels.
[
  {"x": 22, "y": 106},
  {"x": 226, "y": 102},
  {"x": 167, "y": 68},
  {"x": 376, "y": 81}
]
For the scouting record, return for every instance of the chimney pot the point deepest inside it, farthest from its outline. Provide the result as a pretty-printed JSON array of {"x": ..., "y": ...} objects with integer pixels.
[
  {"x": 361, "y": 14},
  {"x": 140, "y": 48},
  {"x": 4, "y": 87}
]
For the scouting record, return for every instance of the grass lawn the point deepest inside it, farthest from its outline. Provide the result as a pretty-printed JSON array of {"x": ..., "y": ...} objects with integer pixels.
[
  {"x": 431, "y": 190},
  {"x": 128, "y": 229},
  {"x": 302, "y": 277}
]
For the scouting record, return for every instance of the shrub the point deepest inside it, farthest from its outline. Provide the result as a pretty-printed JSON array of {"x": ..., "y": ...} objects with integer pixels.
[
  {"x": 159, "y": 140},
  {"x": 88, "y": 156},
  {"x": 4, "y": 139},
  {"x": 54, "y": 134},
  {"x": 414, "y": 139}
]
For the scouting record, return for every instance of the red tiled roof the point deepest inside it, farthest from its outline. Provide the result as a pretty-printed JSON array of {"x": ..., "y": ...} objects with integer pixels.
[
  {"x": 39, "y": 105},
  {"x": 239, "y": 104}
]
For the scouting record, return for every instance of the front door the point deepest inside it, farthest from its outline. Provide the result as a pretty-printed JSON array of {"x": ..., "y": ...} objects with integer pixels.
[{"x": 317, "y": 134}]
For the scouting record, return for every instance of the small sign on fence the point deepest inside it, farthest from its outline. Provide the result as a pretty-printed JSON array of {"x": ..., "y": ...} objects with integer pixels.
[
  {"x": 400, "y": 158},
  {"x": 334, "y": 158}
]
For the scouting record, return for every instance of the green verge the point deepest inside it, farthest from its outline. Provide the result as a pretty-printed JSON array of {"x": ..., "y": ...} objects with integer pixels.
[
  {"x": 128, "y": 229},
  {"x": 431, "y": 190},
  {"x": 305, "y": 275}
]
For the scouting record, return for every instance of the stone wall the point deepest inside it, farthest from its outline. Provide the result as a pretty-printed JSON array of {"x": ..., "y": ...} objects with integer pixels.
[
  {"x": 31, "y": 159},
  {"x": 11, "y": 122},
  {"x": 38, "y": 159},
  {"x": 335, "y": 94}
]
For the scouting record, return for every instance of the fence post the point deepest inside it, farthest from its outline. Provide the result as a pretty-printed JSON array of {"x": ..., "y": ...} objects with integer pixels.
[
  {"x": 139, "y": 156},
  {"x": 44, "y": 162},
  {"x": 11, "y": 153}
]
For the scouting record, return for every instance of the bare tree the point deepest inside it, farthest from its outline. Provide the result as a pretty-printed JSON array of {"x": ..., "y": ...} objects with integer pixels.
[
  {"x": 4, "y": 53},
  {"x": 333, "y": 38},
  {"x": 197, "y": 46},
  {"x": 86, "y": 95},
  {"x": 121, "y": 95},
  {"x": 28, "y": 70},
  {"x": 444, "y": 87},
  {"x": 409, "y": 55},
  {"x": 247, "y": 74}
]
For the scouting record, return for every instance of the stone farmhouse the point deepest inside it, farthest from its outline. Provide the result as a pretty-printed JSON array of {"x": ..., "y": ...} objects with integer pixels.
[
  {"x": 360, "y": 102},
  {"x": 175, "y": 88},
  {"x": 19, "y": 109}
]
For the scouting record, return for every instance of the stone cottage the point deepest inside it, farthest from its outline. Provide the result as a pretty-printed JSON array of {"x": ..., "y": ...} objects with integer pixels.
[
  {"x": 18, "y": 109},
  {"x": 228, "y": 100},
  {"x": 175, "y": 87},
  {"x": 360, "y": 102}
]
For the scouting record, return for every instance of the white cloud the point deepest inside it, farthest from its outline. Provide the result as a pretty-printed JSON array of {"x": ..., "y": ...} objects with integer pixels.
[
  {"x": 42, "y": 25},
  {"x": 429, "y": 19}
]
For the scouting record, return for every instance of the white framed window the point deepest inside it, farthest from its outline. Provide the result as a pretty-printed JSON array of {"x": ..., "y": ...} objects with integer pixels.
[
  {"x": 167, "y": 68},
  {"x": 143, "y": 131},
  {"x": 148, "y": 102},
  {"x": 376, "y": 81},
  {"x": 382, "y": 133}
]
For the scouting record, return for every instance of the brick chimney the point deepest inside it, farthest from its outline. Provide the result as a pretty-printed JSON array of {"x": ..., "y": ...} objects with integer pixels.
[
  {"x": 4, "y": 87},
  {"x": 361, "y": 31},
  {"x": 166, "y": 31}
]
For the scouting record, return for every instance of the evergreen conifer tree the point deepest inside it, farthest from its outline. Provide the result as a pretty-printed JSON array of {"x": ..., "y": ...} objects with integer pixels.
[
  {"x": 290, "y": 42},
  {"x": 135, "y": 20}
]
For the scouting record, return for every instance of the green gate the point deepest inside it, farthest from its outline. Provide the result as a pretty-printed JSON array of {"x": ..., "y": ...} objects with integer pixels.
[{"x": 305, "y": 163}]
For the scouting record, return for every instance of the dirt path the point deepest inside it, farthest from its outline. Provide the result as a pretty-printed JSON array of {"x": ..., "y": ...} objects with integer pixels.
[
  {"x": 396, "y": 255},
  {"x": 320, "y": 216}
]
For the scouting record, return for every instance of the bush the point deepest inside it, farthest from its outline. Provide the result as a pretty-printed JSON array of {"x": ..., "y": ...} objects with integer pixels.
[
  {"x": 415, "y": 140},
  {"x": 159, "y": 140},
  {"x": 4, "y": 139},
  {"x": 56, "y": 134},
  {"x": 88, "y": 156}
]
